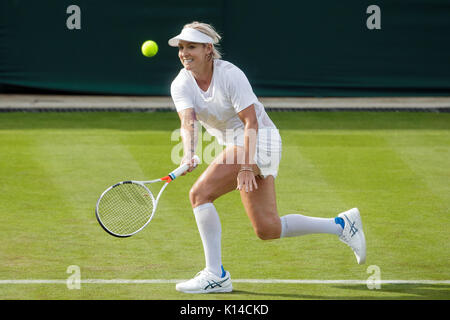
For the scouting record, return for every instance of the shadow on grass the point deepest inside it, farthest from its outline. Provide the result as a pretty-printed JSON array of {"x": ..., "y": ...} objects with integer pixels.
[
  {"x": 395, "y": 292},
  {"x": 409, "y": 291}
]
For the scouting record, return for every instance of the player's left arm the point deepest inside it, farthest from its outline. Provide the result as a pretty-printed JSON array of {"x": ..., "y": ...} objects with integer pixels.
[{"x": 246, "y": 176}]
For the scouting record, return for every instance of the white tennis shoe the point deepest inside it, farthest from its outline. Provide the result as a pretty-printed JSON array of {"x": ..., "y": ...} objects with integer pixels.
[
  {"x": 206, "y": 282},
  {"x": 353, "y": 234}
]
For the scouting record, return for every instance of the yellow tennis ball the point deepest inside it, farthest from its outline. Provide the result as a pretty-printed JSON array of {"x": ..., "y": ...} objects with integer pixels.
[{"x": 149, "y": 48}]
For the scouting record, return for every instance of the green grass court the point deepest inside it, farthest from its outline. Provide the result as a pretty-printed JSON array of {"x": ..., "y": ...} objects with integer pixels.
[{"x": 393, "y": 166}]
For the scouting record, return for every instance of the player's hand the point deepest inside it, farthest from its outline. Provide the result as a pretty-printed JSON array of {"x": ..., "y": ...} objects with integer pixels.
[
  {"x": 246, "y": 181},
  {"x": 191, "y": 161}
]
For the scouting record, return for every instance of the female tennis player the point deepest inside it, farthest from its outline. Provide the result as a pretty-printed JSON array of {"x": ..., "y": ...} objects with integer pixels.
[{"x": 217, "y": 94}]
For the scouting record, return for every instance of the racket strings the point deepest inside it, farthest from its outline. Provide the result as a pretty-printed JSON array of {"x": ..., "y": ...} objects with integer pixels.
[{"x": 125, "y": 208}]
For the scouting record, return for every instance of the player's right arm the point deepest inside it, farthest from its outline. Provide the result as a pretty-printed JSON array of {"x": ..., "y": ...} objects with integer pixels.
[{"x": 189, "y": 135}]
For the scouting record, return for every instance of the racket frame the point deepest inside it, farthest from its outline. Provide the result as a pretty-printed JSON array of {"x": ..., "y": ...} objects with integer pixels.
[{"x": 167, "y": 179}]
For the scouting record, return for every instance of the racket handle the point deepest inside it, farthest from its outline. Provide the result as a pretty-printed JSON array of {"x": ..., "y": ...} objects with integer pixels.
[{"x": 183, "y": 168}]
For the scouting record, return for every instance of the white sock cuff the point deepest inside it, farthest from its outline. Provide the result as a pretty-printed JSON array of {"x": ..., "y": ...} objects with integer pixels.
[{"x": 203, "y": 206}]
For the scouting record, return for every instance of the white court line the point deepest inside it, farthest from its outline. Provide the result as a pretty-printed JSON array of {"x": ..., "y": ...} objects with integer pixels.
[{"x": 269, "y": 281}]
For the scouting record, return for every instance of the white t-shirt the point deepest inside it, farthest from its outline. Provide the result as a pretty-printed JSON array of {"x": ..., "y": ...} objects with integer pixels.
[{"x": 217, "y": 109}]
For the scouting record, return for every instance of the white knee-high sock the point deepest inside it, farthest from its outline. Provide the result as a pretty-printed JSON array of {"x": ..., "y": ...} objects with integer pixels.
[
  {"x": 293, "y": 225},
  {"x": 210, "y": 229}
]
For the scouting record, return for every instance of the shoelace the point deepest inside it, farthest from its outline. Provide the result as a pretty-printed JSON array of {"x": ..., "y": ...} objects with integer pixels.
[{"x": 200, "y": 274}]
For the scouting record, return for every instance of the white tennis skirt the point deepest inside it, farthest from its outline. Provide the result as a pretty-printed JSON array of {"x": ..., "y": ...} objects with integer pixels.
[{"x": 268, "y": 151}]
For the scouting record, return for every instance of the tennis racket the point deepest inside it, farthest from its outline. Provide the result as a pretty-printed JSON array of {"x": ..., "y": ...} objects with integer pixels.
[{"x": 127, "y": 207}]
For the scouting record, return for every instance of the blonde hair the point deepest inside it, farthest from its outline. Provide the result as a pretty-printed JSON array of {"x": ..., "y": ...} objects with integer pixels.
[{"x": 209, "y": 31}]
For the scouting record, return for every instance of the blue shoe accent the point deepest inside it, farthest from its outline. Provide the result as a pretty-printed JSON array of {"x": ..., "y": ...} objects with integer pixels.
[
  {"x": 223, "y": 272},
  {"x": 339, "y": 220}
]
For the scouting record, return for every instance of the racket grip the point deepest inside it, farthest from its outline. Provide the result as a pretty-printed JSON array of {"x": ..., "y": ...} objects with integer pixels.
[{"x": 183, "y": 168}]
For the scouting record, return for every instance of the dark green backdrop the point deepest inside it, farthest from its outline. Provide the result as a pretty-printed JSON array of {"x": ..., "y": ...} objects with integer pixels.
[{"x": 286, "y": 48}]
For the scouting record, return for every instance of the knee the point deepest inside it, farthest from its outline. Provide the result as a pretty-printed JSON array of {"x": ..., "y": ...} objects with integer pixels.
[
  {"x": 199, "y": 195},
  {"x": 194, "y": 195},
  {"x": 268, "y": 230}
]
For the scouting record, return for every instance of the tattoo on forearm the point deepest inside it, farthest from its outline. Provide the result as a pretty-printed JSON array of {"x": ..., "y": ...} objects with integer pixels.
[{"x": 188, "y": 132}]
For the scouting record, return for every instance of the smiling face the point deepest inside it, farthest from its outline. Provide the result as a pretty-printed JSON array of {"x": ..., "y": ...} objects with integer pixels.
[{"x": 194, "y": 56}]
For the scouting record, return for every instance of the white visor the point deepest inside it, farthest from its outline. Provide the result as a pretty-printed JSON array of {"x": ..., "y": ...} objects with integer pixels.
[{"x": 190, "y": 35}]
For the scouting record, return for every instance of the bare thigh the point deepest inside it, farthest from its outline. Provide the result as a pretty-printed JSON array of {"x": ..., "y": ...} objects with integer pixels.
[
  {"x": 218, "y": 179},
  {"x": 261, "y": 208}
]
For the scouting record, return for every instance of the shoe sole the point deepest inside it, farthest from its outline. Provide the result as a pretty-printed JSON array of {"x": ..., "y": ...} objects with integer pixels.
[
  {"x": 362, "y": 258},
  {"x": 221, "y": 290}
]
